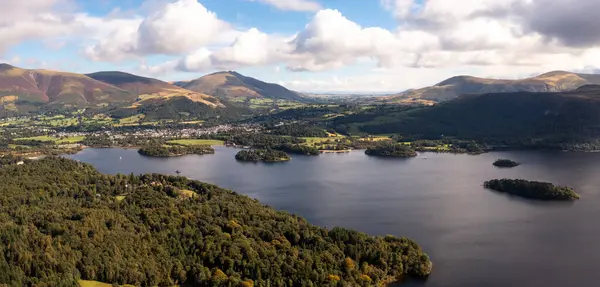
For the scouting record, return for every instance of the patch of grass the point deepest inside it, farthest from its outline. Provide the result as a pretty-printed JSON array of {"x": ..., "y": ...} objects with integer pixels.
[
  {"x": 40, "y": 138},
  {"x": 193, "y": 122},
  {"x": 67, "y": 140},
  {"x": 185, "y": 193},
  {"x": 16, "y": 146},
  {"x": 311, "y": 141},
  {"x": 131, "y": 120},
  {"x": 89, "y": 283},
  {"x": 196, "y": 142},
  {"x": 70, "y": 140}
]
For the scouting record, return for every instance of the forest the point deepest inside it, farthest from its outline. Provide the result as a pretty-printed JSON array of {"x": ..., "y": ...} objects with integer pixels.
[
  {"x": 62, "y": 221},
  {"x": 532, "y": 189},
  {"x": 264, "y": 155},
  {"x": 300, "y": 130},
  {"x": 175, "y": 150}
]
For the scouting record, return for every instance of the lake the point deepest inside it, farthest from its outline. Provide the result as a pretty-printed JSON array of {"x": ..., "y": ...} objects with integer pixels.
[{"x": 475, "y": 237}]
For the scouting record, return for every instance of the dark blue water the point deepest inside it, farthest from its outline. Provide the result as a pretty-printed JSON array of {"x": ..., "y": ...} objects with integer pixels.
[{"x": 474, "y": 237}]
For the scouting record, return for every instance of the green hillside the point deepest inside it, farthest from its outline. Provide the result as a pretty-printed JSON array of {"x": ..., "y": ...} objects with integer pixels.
[{"x": 62, "y": 221}]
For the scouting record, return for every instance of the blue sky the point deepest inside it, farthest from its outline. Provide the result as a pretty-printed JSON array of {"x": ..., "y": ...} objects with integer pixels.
[{"x": 373, "y": 46}]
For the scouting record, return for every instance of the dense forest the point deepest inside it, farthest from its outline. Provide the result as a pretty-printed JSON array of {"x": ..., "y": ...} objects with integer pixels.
[
  {"x": 63, "y": 221},
  {"x": 299, "y": 130},
  {"x": 264, "y": 155},
  {"x": 175, "y": 150},
  {"x": 532, "y": 189},
  {"x": 297, "y": 149},
  {"x": 389, "y": 149}
]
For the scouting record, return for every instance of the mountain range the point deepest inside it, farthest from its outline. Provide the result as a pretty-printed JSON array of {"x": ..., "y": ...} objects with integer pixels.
[
  {"x": 233, "y": 86},
  {"x": 524, "y": 119},
  {"x": 31, "y": 90},
  {"x": 556, "y": 81}
]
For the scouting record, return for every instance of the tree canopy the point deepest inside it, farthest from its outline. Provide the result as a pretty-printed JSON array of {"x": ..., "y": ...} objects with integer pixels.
[{"x": 62, "y": 221}]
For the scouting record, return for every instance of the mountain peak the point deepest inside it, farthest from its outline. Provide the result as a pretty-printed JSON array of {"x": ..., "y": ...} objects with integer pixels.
[
  {"x": 554, "y": 74},
  {"x": 230, "y": 85},
  {"x": 5, "y": 66},
  {"x": 456, "y": 80},
  {"x": 554, "y": 81}
]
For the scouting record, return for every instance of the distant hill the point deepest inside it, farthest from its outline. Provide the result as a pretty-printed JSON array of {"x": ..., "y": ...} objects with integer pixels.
[
  {"x": 557, "y": 81},
  {"x": 26, "y": 91},
  {"x": 235, "y": 87},
  {"x": 523, "y": 119},
  {"x": 148, "y": 88},
  {"x": 25, "y": 88}
]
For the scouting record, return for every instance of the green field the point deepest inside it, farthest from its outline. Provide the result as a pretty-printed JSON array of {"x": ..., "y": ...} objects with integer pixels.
[
  {"x": 67, "y": 140},
  {"x": 133, "y": 120},
  {"x": 196, "y": 142}
]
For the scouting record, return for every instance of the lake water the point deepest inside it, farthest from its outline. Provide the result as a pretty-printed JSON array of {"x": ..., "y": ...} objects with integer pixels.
[{"x": 474, "y": 237}]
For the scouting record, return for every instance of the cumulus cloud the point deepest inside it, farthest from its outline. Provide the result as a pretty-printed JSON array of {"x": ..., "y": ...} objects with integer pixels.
[
  {"x": 33, "y": 20},
  {"x": 172, "y": 29},
  {"x": 293, "y": 5},
  {"x": 331, "y": 40},
  {"x": 573, "y": 23}
]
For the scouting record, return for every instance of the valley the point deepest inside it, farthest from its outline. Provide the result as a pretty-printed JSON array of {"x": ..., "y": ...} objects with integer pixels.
[{"x": 241, "y": 133}]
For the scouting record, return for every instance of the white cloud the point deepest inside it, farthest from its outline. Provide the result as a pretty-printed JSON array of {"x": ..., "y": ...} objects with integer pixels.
[
  {"x": 178, "y": 27},
  {"x": 293, "y": 5},
  {"x": 172, "y": 29},
  {"x": 330, "y": 40},
  {"x": 33, "y": 20}
]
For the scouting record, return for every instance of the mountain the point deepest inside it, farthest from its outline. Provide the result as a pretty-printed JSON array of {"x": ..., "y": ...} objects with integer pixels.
[
  {"x": 236, "y": 87},
  {"x": 148, "y": 88},
  {"x": 24, "y": 87},
  {"x": 557, "y": 81},
  {"x": 518, "y": 117}
]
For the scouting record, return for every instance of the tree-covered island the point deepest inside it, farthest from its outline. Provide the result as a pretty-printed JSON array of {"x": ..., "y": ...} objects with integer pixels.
[
  {"x": 506, "y": 163},
  {"x": 389, "y": 149},
  {"x": 175, "y": 150},
  {"x": 532, "y": 189},
  {"x": 63, "y": 221},
  {"x": 264, "y": 155}
]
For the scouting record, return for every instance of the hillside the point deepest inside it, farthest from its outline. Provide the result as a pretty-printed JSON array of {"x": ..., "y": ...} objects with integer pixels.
[
  {"x": 557, "y": 81},
  {"x": 515, "y": 118},
  {"x": 148, "y": 88},
  {"x": 23, "y": 88},
  {"x": 63, "y": 221},
  {"x": 235, "y": 87}
]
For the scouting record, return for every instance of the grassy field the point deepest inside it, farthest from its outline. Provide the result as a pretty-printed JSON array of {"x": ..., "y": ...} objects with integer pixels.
[
  {"x": 67, "y": 140},
  {"x": 40, "y": 138},
  {"x": 88, "y": 283},
  {"x": 70, "y": 140},
  {"x": 196, "y": 142},
  {"x": 311, "y": 141},
  {"x": 131, "y": 120}
]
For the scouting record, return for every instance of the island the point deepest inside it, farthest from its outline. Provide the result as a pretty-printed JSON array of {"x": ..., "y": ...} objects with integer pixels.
[
  {"x": 264, "y": 155},
  {"x": 175, "y": 150},
  {"x": 161, "y": 230},
  {"x": 532, "y": 189},
  {"x": 388, "y": 149},
  {"x": 505, "y": 163}
]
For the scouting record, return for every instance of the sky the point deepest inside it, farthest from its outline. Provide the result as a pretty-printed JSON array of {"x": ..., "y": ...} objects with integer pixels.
[{"x": 339, "y": 46}]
